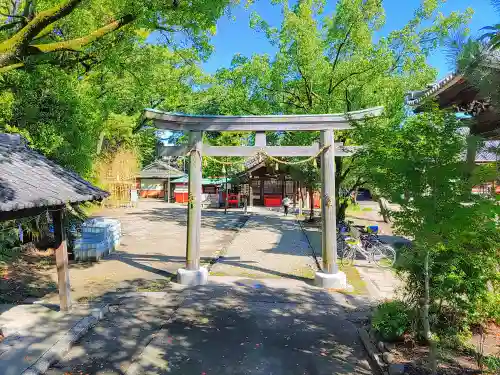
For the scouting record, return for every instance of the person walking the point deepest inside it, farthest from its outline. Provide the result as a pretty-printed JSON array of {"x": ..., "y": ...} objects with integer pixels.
[{"x": 286, "y": 204}]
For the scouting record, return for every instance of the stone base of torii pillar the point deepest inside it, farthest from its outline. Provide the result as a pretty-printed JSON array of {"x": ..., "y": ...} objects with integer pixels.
[
  {"x": 192, "y": 277},
  {"x": 331, "y": 280}
]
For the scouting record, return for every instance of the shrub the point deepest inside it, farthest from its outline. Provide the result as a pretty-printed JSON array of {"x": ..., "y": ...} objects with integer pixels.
[{"x": 391, "y": 320}]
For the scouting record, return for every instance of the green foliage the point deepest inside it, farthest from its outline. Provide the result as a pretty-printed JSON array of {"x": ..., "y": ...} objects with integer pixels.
[
  {"x": 492, "y": 363},
  {"x": 420, "y": 166},
  {"x": 391, "y": 320},
  {"x": 74, "y": 105},
  {"x": 69, "y": 32},
  {"x": 9, "y": 240},
  {"x": 327, "y": 63}
]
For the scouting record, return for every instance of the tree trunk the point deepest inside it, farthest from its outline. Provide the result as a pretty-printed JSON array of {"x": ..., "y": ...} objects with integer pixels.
[
  {"x": 311, "y": 203},
  {"x": 355, "y": 197},
  {"x": 472, "y": 145},
  {"x": 341, "y": 210},
  {"x": 425, "y": 317},
  {"x": 384, "y": 208}
]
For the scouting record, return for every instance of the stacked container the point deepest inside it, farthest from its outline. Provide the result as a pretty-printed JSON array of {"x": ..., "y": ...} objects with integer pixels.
[{"x": 100, "y": 236}]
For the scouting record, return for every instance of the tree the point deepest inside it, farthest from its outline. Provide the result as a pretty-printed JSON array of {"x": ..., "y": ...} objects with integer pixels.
[
  {"x": 81, "y": 86},
  {"x": 453, "y": 260},
  {"x": 35, "y": 29},
  {"x": 73, "y": 115},
  {"x": 332, "y": 63}
]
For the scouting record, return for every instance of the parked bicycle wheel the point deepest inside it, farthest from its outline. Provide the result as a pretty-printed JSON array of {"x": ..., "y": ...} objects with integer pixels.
[
  {"x": 341, "y": 245},
  {"x": 383, "y": 255},
  {"x": 348, "y": 255}
]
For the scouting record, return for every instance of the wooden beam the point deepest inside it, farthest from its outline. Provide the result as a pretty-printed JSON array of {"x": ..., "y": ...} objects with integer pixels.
[
  {"x": 25, "y": 212},
  {"x": 328, "y": 206},
  {"x": 194, "y": 203},
  {"x": 62, "y": 261},
  {"x": 249, "y": 151},
  {"x": 178, "y": 122}
]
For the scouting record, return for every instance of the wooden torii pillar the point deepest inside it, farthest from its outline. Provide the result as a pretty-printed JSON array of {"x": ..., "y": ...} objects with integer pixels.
[{"x": 193, "y": 274}]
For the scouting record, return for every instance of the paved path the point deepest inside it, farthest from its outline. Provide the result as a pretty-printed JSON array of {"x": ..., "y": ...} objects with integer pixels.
[
  {"x": 31, "y": 330},
  {"x": 230, "y": 327},
  {"x": 119, "y": 339},
  {"x": 153, "y": 247},
  {"x": 269, "y": 245}
]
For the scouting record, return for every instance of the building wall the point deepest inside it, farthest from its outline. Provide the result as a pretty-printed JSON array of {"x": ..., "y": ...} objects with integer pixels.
[{"x": 151, "y": 188}]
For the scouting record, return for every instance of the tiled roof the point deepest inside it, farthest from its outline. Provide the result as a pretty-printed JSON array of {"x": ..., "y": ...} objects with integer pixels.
[
  {"x": 490, "y": 60},
  {"x": 160, "y": 169},
  {"x": 28, "y": 179},
  {"x": 414, "y": 98}
]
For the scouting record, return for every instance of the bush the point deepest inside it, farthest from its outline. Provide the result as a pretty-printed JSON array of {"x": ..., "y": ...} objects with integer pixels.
[
  {"x": 391, "y": 320},
  {"x": 9, "y": 240}
]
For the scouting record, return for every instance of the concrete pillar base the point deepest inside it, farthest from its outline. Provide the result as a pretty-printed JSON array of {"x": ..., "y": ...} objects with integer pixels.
[
  {"x": 331, "y": 280},
  {"x": 192, "y": 277}
]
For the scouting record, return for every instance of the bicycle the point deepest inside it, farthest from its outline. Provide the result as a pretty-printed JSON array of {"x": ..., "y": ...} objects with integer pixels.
[
  {"x": 371, "y": 248},
  {"x": 343, "y": 228}
]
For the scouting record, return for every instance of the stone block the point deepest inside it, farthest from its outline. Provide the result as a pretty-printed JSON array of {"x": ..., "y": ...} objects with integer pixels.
[
  {"x": 192, "y": 277},
  {"x": 331, "y": 280}
]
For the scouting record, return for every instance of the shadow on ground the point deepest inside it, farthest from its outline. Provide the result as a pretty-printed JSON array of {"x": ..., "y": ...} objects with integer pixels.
[
  {"x": 242, "y": 327},
  {"x": 27, "y": 276},
  {"x": 210, "y": 218}
]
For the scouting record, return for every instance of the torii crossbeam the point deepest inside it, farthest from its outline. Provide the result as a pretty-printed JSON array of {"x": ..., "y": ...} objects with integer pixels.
[{"x": 193, "y": 274}]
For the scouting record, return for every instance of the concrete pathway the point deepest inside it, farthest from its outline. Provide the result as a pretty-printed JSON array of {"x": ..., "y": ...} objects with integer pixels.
[
  {"x": 153, "y": 247},
  {"x": 119, "y": 339},
  {"x": 231, "y": 326},
  {"x": 31, "y": 330},
  {"x": 269, "y": 245}
]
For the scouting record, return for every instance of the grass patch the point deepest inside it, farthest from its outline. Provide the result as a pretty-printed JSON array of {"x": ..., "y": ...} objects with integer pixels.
[
  {"x": 353, "y": 208},
  {"x": 305, "y": 273},
  {"x": 154, "y": 286},
  {"x": 218, "y": 273},
  {"x": 357, "y": 208},
  {"x": 354, "y": 279}
]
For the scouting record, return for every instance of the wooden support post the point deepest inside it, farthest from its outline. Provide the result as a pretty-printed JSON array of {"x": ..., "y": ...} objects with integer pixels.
[
  {"x": 62, "y": 261},
  {"x": 226, "y": 200},
  {"x": 194, "y": 203},
  {"x": 294, "y": 189},
  {"x": 301, "y": 198},
  {"x": 250, "y": 193},
  {"x": 261, "y": 192},
  {"x": 168, "y": 189},
  {"x": 328, "y": 222}
]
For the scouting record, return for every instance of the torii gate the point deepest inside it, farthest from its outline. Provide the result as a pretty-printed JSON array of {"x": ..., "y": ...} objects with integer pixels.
[{"x": 193, "y": 274}]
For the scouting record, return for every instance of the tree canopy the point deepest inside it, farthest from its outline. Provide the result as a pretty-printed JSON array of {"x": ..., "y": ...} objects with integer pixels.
[
  {"x": 76, "y": 75},
  {"x": 327, "y": 63},
  {"x": 34, "y": 29}
]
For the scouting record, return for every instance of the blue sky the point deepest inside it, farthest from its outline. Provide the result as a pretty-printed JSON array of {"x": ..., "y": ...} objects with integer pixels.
[{"x": 235, "y": 36}]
